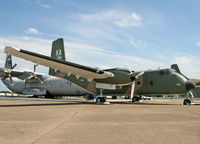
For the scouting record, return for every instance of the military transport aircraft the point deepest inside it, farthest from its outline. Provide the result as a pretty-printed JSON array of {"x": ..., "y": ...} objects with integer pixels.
[
  {"x": 113, "y": 81},
  {"x": 36, "y": 84}
]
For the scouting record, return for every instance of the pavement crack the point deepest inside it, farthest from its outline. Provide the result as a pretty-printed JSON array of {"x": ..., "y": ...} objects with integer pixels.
[{"x": 57, "y": 126}]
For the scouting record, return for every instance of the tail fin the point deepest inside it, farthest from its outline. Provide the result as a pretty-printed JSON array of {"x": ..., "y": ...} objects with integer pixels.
[
  {"x": 8, "y": 63},
  {"x": 57, "y": 52}
]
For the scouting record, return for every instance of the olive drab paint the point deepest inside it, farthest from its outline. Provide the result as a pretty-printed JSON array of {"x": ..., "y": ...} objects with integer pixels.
[{"x": 57, "y": 52}]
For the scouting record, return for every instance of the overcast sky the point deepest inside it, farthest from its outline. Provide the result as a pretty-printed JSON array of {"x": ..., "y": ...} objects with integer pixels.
[{"x": 145, "y": 34}]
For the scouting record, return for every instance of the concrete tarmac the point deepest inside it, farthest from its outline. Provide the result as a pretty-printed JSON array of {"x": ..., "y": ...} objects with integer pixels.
[{"x": 122, "y": 122}]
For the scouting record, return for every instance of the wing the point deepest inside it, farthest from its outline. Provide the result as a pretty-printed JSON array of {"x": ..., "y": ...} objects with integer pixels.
[
  {"x": 64, "y": 66},
  {"x": 4, "y": 72}
]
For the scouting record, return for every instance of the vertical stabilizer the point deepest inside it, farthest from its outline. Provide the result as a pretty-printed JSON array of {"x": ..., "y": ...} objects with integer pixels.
[
  {"x": 57, "y": 52},
  {"x": 8, "y": 63}
]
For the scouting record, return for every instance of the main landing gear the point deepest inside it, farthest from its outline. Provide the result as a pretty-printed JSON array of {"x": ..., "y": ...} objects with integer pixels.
[
  {"x": 101, "y": 99},
  {"x": 136, "y": 98}
]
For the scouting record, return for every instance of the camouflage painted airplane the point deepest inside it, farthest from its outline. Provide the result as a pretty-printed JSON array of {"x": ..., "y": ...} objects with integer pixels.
[{"x": 116, "y": 81}]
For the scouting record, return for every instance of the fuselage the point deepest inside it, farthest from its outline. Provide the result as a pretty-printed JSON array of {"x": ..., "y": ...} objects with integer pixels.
[
  {"x": 154, "y": 82},
  {"x": 50, "y": 85},
  {"x": 164, "y": 81}
]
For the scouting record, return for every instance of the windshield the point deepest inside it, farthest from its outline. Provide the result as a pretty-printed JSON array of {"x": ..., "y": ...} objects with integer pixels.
[{"x": 172, "y": 71}]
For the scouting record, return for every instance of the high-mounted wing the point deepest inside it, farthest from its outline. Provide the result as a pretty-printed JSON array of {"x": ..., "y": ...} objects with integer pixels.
[{"x": 64, "y": 66}]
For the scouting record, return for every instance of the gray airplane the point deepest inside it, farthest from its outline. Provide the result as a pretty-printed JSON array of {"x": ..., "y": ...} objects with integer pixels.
[{"x": 36, "y": 84}]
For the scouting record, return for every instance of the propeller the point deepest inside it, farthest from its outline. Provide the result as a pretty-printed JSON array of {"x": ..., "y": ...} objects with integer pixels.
[
  {"x": 33, "y": 75},
  {"x": 133, "y": 78},
  {"x": 10, "y": 77},
  {"x": 9, "y": 71}
]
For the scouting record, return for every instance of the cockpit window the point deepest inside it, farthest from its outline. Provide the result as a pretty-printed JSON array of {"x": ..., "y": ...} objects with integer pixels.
[
  {"x": 167, "y": 72},
  {"x": 172, "y": 71}
]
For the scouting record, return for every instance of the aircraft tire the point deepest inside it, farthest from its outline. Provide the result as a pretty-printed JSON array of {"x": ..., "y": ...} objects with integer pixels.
[
  {"x": 114, "y": 97},
  {"x": 127, "y": 97},
  {"x": 100, "y": 99},
  {"x": 187, "y": 102},
  {"x": 103, "y": 99},
  {"x": 135, "y": 99},
  {"x": 90, "y": 97},
  {"x": 49, "y": 97},
  {"x": 35, "y": 96}
]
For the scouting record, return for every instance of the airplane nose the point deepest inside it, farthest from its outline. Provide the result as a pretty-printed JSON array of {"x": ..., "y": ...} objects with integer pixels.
[{"x": 189, "y": 85}]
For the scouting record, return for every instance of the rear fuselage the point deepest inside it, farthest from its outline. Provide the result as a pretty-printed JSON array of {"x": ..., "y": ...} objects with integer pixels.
[{"x": 50, "y": 85}]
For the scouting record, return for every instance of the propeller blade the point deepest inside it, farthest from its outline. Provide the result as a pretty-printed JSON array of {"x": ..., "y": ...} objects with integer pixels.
[
  {"x": 190, "y": 96},
  {"x": 11, "y": 81},
  {"x": 41, "y": 81},
  {"x": 132, "y": 89},
  {"x": 34, "y": 68},
  {"x": 129, "y": 68},
  {"x": 14, "y": 66},
  {"x": 133, "y": 79}
]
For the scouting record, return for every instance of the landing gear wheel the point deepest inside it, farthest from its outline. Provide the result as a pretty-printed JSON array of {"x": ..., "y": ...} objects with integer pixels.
[
  {"x": 35, "y": 96},
  {"x": 49, "y": 97},
  {"x": 135, "y": 99},
  {"x": 100, "y": 99},
  {"x": 187, "y": 102},
  {"x": 103, "y": 99},
  {"x": 90, "y": 97},
  {"x": 114, "y": 97}
]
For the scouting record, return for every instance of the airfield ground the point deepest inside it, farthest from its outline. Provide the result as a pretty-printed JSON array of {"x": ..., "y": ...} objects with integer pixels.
[{"x": 25, "y": 121}]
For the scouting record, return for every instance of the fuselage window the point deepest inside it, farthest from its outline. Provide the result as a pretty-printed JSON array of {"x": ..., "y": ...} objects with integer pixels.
[
  {"x": 162, "y": 73},
  {"x": 151, "y": 83}
]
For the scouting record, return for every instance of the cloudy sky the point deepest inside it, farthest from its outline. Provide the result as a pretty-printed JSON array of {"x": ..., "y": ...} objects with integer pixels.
[{"x": 144, "y": 34}]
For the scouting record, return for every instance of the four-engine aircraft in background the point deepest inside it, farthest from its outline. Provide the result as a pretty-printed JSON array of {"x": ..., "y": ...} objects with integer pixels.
[
  {"x": 37, "y": 84},
  {"x": 115, "y": 81}
]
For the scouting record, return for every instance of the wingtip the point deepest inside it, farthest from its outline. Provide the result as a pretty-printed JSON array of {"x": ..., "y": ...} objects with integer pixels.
[{"x": 9, "y": 49}]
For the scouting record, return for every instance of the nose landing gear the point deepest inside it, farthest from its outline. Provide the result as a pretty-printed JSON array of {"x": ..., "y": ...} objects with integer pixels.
[
  {"x": 136, "y": 98},
  {"x": 189, "y": 100}
]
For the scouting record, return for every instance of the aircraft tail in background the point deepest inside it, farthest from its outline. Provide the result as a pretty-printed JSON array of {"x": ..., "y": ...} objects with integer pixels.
[
  {"x": 57, "y": 52},
  {"x": 8, "y": 62}
]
